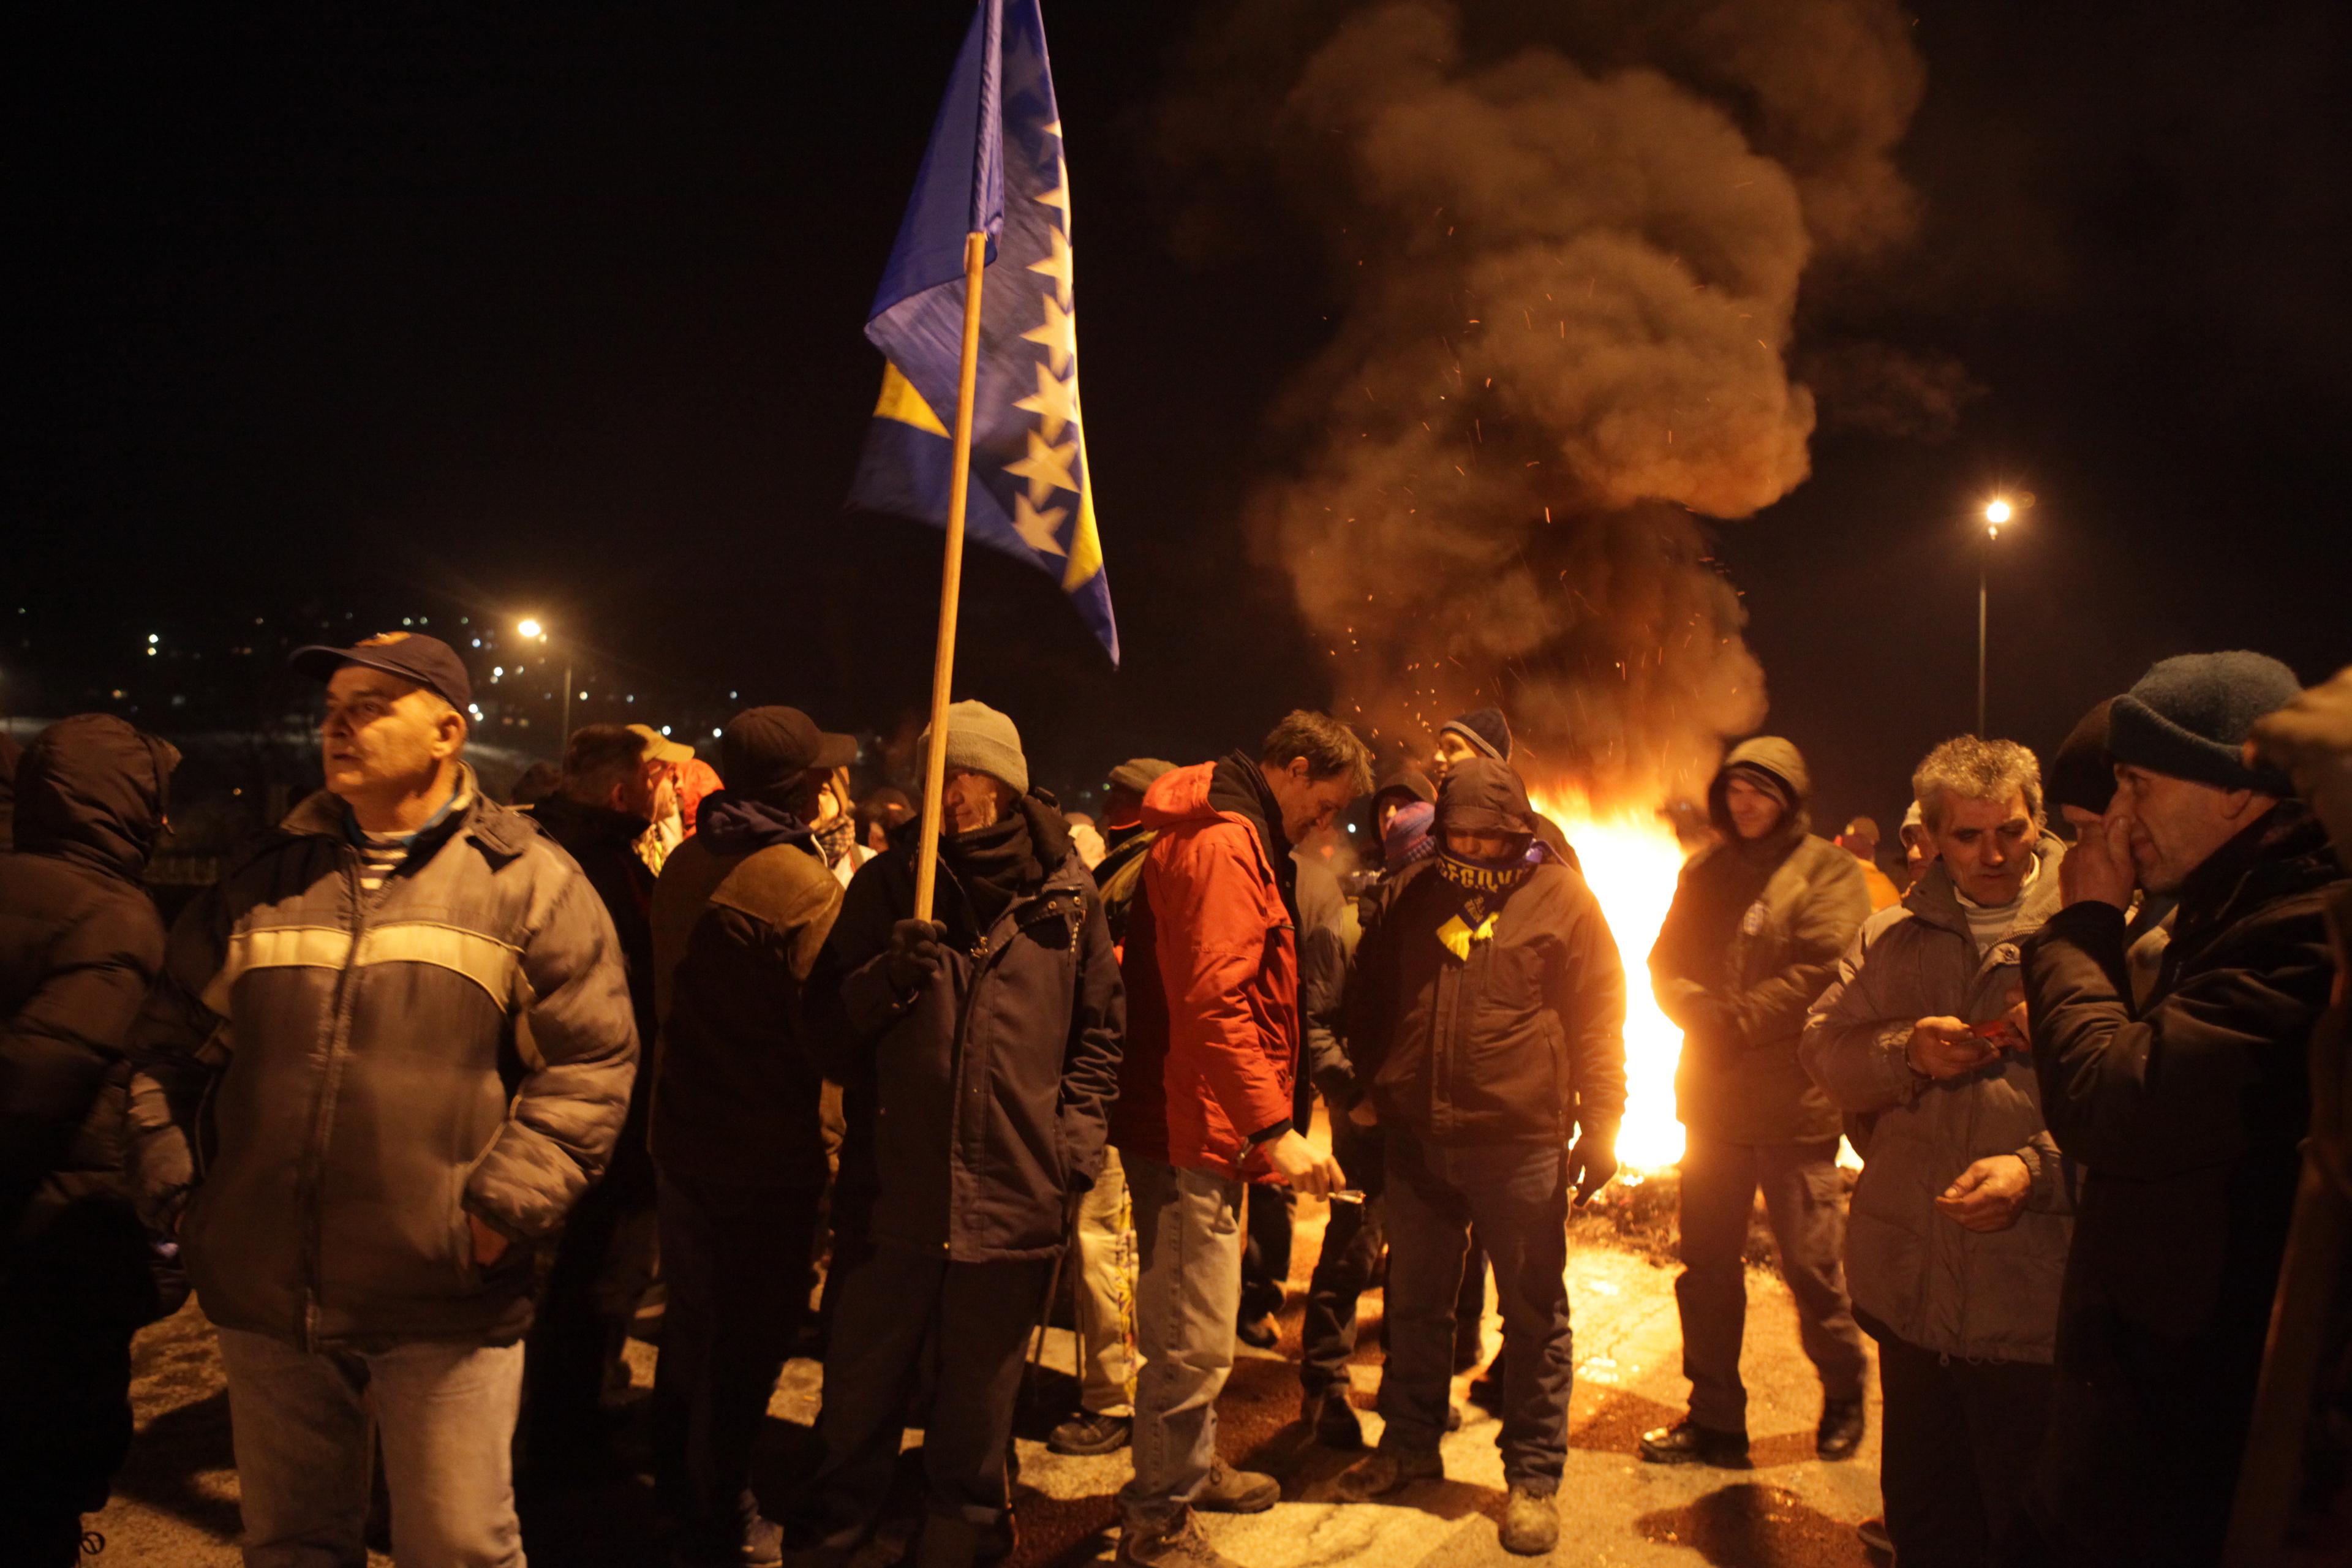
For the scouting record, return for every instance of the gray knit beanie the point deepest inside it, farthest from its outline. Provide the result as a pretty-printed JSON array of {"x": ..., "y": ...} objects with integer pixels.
[
  {"x": 2187, "y": 718},
  {"x": 984, "y": 741}
]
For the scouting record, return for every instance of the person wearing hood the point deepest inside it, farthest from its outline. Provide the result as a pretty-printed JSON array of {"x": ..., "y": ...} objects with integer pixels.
[
  {"x": 977, "y": 1052},
  {"x": 604, "y": 801},
  {"x": 399, "y": 1031},
  {"x": 739, "y": 916},
  {"x": 79, "y": 944},
  {"x": 1205, "y": 1096},
  {"x": 1487, "y": 1020},
  {"x": 2185, "y": 1111},
  {"x": 1961, "y": 1220},
  {"x": 1753, "y": 937},
  {"x": 1485, "y": 732}
]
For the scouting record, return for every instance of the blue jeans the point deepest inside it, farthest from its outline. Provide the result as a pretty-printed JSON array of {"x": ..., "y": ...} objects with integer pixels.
[
  {"x": 1188, "y": 1233},
  {"x": 302, "y": 1425},
  {"x": 1516, "y": 1193}
]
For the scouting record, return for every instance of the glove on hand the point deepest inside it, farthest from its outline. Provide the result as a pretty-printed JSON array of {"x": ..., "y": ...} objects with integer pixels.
[
  {"x": 1593, "y": 1162},
  {"x": 915, "y": 955}
]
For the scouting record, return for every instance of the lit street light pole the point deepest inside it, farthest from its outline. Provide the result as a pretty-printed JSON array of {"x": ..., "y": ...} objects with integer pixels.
[
  {"x": 1996, "y": 512},
  {"x": 530, "y": 626}
]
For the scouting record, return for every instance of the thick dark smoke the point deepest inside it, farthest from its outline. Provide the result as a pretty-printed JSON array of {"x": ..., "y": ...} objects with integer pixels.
[{"x": 1571, "y": 251}]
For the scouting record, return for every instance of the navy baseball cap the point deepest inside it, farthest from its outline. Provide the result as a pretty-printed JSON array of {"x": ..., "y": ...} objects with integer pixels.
[{"x": 426, "y": 660}]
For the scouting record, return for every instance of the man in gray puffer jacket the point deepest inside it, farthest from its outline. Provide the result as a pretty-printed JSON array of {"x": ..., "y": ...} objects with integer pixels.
[
  {"x": 398, "y": 1036},
  {"x": 1959, "y": 1234}
]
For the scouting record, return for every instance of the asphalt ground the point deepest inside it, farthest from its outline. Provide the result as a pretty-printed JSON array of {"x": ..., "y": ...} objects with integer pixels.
[{"x": 175, "y": 1503}]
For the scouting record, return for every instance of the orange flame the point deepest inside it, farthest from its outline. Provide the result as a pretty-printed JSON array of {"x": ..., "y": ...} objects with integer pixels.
[{"x": 1631, "y": 860}]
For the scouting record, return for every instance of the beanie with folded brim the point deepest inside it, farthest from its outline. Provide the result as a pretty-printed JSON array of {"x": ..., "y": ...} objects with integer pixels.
[
  {"x": 1487, "y": 730},
  {"x": 2187, "y": 718},
  {"x": 982, "y": 740}
]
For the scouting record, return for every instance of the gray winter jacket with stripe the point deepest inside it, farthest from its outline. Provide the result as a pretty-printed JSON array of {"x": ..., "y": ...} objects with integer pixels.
[
  {"x": 1990, "y": 1296},
  {"x": 345, "y": 1077}
]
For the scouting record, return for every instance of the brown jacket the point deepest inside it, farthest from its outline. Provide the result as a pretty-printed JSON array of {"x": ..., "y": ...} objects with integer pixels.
[
  {"x": 740, "y": 913},
  {"x": 1753, "y": 937}
]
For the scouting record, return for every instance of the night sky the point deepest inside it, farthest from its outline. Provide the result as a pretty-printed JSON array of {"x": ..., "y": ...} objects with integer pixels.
[{"x": 562, "y": 314}]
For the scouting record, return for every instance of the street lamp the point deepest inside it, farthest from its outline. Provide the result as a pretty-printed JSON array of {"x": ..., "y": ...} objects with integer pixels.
[
  {"x": 1997, "y": 511},
  {"x": 530, "y": 628}
]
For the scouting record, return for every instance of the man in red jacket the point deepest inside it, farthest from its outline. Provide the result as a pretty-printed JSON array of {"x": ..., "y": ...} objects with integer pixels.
[{"x": 1205, "y": 1102}]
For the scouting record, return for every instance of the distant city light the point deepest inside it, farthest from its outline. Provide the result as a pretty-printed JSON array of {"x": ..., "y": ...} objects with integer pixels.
[
  {"x": 584, "y": 697},
  {"x": 530, "y": 627},
  {"x": 153, "y": 639},
  {"x": 496, "y": 671},
  {"x": 478, "y": 642},
  {"x": 715, "y": 733},
  {"x": 665, "y": 728},
  {"x": 407, "y": 620}
]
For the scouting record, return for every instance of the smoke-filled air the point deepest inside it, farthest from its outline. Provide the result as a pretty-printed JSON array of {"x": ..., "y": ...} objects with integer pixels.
[{"x": 1569, "y": 253}]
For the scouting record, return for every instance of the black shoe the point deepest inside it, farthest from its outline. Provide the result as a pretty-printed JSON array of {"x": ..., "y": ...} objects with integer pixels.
[
  {"x": 1086, "y": 1433},
  {"x": 1259, "y": 1333},
  {"x": 1841, "y": 1430},
  {"x": 1689, "y": 1443},
  {"x": 1332, "y": 1420}
]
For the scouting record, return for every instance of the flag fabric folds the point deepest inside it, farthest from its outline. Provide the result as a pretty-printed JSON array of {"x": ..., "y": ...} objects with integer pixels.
[{"x": 994, "y": 165}]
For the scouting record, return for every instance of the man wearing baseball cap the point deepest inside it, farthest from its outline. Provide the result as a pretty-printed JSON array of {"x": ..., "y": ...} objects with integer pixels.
[
  {"x": 739, "y": 914},
  {"x": 2184, "y": 1111},
  {"x": 404, "y": 1018}
]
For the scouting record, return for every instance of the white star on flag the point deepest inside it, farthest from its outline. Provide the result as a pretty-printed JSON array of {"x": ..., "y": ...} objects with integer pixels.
[
  {"x": 1046, "y": 467},
  {"x": 1056, "y": 404},
  {"x": 1041, "y": 531}
]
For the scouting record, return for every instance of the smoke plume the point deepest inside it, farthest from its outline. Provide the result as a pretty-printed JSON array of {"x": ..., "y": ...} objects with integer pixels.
[{"x": 1570, "y": 252}]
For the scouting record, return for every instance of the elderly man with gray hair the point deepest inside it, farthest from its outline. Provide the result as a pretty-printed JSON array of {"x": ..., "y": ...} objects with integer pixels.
[{"x": 1960, "y": 1224}]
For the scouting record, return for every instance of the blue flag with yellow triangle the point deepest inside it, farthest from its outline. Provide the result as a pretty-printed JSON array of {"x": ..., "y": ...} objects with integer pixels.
[{"x": 994, "y": 165}]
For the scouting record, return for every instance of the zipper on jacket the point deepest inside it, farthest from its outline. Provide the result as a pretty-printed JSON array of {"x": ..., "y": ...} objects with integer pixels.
[
  {"x": 984, "y": 957},
  {"x": 322, "y": 1109}
]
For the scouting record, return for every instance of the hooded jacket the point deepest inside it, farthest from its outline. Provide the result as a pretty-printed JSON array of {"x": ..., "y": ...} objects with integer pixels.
[
  {"x": 354, "y": 1074},
  {"x": 738, "y": 915},
  {"x": 2186, "y": 1113},
  {"x": 1754, "y": 935},
  {"x": 974, "y": 1103},
  {"x": 1211, "y": 968},
  {"x": 1518, "y": 1037},
  {"x": 1990, "y": 1296},
  {"x": 79, "y": 944}
]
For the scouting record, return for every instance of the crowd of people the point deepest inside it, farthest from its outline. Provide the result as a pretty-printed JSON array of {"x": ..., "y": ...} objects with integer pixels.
[{"x": 422, "y": 1097}]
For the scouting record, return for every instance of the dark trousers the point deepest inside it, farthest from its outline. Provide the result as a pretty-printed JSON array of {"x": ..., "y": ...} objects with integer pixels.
[
  {"x": 65, "y": 1425},
  {"x": 1352, "y": 1251},
  {"x": 899, "y": 1314},
  {"x": 603, "y": 1262},
  {"x": 1516, "y": 1195},
  {"x": 1265, "y": 1251},
  {"x": 1802, "y": 1196},
  {"x": 735, "y": 1262},
  {"x": 1961, "y": 1448}
]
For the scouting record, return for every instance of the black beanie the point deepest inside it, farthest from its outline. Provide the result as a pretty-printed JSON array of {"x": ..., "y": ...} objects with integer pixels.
[
  {"x": 2187, "y": 718},
  {"x": 1486, "y": 729},
  {"x": 2081, "y": 772}
]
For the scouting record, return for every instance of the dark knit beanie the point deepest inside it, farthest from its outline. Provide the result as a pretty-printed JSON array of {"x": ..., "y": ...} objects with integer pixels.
[
  {"x": 1487, "y": 730},
  {"x": 2081, "y": 773},
  {"x": 2187, "y": 718}
]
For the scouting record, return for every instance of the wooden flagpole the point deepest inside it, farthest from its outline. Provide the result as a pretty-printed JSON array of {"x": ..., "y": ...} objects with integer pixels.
[{"x": 935, "y": 761}]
